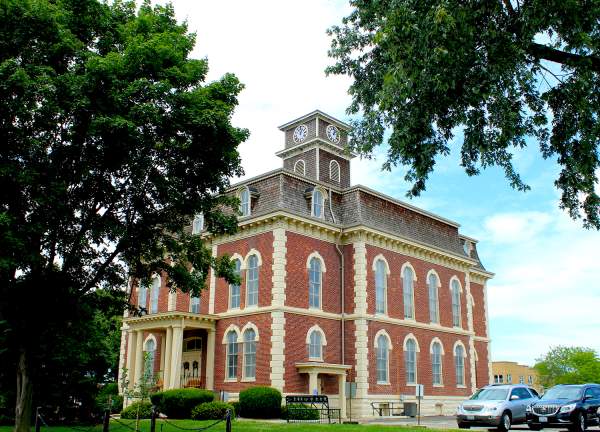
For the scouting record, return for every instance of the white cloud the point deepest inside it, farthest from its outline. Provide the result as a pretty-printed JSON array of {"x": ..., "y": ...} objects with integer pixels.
[{"x": 515, "y": 227}]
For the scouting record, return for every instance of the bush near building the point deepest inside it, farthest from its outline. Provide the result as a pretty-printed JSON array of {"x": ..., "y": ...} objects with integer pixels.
[
  {"x": 131, "y": 412},
  {"x": 212, "y": 411},
  {"x": 260, "y": 402},
  {"x": 178, "y": 403},
  {"x": 299, "y": 412}
]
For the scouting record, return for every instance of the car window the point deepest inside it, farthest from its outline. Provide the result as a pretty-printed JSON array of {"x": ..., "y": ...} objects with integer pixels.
[
  {"x": 522, "y": 393},
  {"x": 596, "y": 391},
  {"x": 588, "y": 393},
  {"x": 534, "y": 392}
]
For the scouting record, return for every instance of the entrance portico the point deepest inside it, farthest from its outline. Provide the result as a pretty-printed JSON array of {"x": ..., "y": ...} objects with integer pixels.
[
  {"x": 314, "y": 369},
  {"x": 172, "y": 326}
]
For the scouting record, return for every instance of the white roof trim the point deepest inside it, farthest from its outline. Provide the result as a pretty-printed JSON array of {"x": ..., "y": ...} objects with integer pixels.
[{"x": 318, "y": 113}]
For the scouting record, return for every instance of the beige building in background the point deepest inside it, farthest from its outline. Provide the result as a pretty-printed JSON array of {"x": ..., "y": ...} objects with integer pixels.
[{"x": 507, "y": 372}]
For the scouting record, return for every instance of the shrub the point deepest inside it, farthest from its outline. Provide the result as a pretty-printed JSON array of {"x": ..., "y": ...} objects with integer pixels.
[
  {"x": 131, "y": 412},
  {"x": 300, "y": 412},
  {"x": 212, "y": 411},
  {"x": 236, "y": 408},
  {"x": 260, "y": 402},
  {"x": 178, "y": 403},
  {"x": 109, "y": 391}
]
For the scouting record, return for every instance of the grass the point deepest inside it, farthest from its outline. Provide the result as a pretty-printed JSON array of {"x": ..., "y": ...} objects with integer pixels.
[{"x": 237, "y": 426}]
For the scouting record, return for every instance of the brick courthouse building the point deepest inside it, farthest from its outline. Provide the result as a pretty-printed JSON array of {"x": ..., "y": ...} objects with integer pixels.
[{"x": 338, "y": 283}]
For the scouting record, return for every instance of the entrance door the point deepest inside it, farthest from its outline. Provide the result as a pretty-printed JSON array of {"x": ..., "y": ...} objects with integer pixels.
[{"x": 191, "y": 363}]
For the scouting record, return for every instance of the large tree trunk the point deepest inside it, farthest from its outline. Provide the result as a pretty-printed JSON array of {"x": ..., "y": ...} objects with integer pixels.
[{"x": 23, "y": 409}]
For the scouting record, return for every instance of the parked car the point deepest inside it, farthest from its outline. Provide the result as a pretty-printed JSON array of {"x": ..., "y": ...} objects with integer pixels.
[
  {"x": 498, "y": 405},
  {"x": 572, "y": 406}
]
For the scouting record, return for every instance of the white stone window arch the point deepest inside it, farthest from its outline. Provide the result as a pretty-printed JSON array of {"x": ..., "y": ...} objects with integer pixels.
[
  {"x": 455, "y": 294},
  {"x": 253, "y": 262},
  {"x": 433, "y": 288},
  {"x": 154, "y": 293},
  {"x": 383, "y": 346},
  {"x": 436, "y": 349},
  {"x": 235, "y": 289},
  {"x": 149, "y": 355},
  {"x": 198, "y": 223},
  {"x": 316, "y": 267},
  {"x": 411, "y": 348},
  {"x": 317, "y": 207},
  {"x": 381, "y": 270},
  {"x": 460, "y": 354},
  {"x": 250, "y": 338},
  {"x": 231, "y": 328},
  {"x": 409, "y": 280},
  {"x": 315, "y": 340},
  {"x": 300, "y": 167},
  {"x": 334, "y": 171},
  {"x": 244, "y": 197}
]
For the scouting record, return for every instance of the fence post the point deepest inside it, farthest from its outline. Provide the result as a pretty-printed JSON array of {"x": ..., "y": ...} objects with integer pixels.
[
  {"x": 228, "y": 421},
  {"x": 37, "y": 420},
  {"x": 106, "y": 421},
  {"x": 153, "y": 419}
]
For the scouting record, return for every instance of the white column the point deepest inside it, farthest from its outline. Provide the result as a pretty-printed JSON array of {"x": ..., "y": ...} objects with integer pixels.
[
  {"x": 139, "y": 355},
  {"x": 210, "y": 359},
  {"x": 168, "y": 349},
  {"x": 342, "y": 384},
  {"x": 277, "y": 362},
  {"x": 213, "y": 284},
  {"x": 361, "y": 326},
  {"x": 131, "y": 336},
  {"x": 312, "y": 383},
  {"x": 176, "y": 348}
]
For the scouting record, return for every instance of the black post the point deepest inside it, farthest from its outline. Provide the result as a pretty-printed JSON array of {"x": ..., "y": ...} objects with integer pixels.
[
  {"x": 153, "y": 419},
  {"x": 228, "y": 421},
  {"x": 37, "y": 420},
  {"x": 106, "y": 421}
]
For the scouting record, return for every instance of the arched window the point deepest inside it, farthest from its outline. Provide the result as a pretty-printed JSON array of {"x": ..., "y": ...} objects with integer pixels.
[
  {"x": 245, "y": 202},
  {"x": 198, "y": 223},
  {"x": 317, "y": 203},
  {"x": 232, "y": 355},
  {"x": 459, "y": 363},
  {"x": 434, "y": 315},
  {"x": 249, "y": 354},
  {"x": 150, "y": 350},
  {"x": 252, "y": 281},
  {"x": 380, "y": 286},
  {"x": 300, "y": 167},
  {"x": 408, "y": 292},
  {"x": 142, "y": 296},
  {"x": 314, "y": 283},
  {"x": 315, "y": 346},
  {"x": 410, "y": 361},
  {"x": 382, "y": 359},
  {"x": 154, "y": 294},
  {"x": 455, "y": 288},
  {"x": 334, "y": 171},
  {"x": 195, "y": 304},
  {"x": 234, "y": 289},
  {"x": 436, "y": 363}
]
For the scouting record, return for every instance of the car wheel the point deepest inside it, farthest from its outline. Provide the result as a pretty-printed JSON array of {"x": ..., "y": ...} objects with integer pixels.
[
  {"x": 579, "y": 424},
  {"x": 464, "y": 426},
  {"x": 505, "y": 422}
]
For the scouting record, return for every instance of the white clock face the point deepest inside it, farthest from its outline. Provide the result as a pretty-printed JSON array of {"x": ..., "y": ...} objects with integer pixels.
[
  {"x": 300, "y": 133},
  {"x": 333, "y": 134}
]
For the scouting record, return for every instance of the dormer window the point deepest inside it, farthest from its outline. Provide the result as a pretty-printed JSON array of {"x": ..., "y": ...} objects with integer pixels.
[
  {"x": 317, "y": 203},
  {"x": 198, "y": 223},
  {"x": 300, "y": 167},
  {"x": 245, "y": 202},
  {"x": 334, "y": 171}
]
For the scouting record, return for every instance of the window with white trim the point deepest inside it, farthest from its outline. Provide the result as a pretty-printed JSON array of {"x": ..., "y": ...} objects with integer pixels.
[
  {"x": 408, "y": 292},
  {"x": 154, "y": 292},
  {"x": 410, "y": 361},
  {"x": 150, "y": 351},
  {"x": 245, "y": 202},
  {"x": 380, "y": 286},
  {"x": 434, "y": 315},
  {"x": 142, "y": 295},
  {"x": 382, "y": 360},
  {"x": 195, "y": 304},
  {"x": 455, "y": 303},
  {"x": 315, "y": 346},
  {"x": 234, "y": 289},
  {"x": 459, "y": 362},
  {"x": 314, "y": 283},
  {"x": 232, "y": 355},
  {"x": 334, "y": 171},
  {"x": 436, "y": 363},
  {"x": 249, "y": 354},
  {"x": 252, "y": 281},
  {"x": 318, "y": 204},
  {"x": 300, "y": 167},
  {"x": 198, "y": 223}
]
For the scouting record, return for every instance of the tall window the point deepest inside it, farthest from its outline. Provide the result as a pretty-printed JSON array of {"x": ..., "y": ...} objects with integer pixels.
[
  {"x": 315, "y": 346},
  {"x": 150, "y": 349},
  {"x": 407, "y": 284},
  {"x": 434, "y": 315},
  {"x": 436, "y": 363},
  {"x": 314, "y": 284},
  {"x": 300, "y": 167},
  {"x": 245, "y": 202},
  {"x": 459, "y": 363},
  {"x": 154, "y": 295},
  {"x": 380, "y": 286},
  {"x": 195, "y": 304},
  {"x": 142, "y": 295},
  {"x": 232, "y": 355},
  {"x": 334, "y": 171},
  {"x": 382, "y": 360},
  {"x": 252, "y": 281},
  {"x": 410, "y": 361},
  {"x": 198, "y": 223},
  {"x": 234, "y": 289},
  {"x": 317, "y": 203},
  {"x": 249, "y": 354},
  {"x": 455, "y": 303}
]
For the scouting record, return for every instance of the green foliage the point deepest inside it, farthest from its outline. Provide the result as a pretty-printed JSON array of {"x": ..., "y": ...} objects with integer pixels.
[
  {"x": 236, "y": 408},
  {"x": 109, "y": 393},
  {"x": 568, "y": 365},
  {"x": 179, "y": 403},
  {"x": 260, "y": 402},
  {"x": 495, "y": 72},
  {"x": 142, "y": 410},
  {"x": 212, "y": 410},
  {"x": 299, "y": 412}
]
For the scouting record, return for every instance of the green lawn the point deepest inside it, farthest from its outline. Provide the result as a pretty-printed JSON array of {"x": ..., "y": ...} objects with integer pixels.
[{"x": 238, "y": 425}]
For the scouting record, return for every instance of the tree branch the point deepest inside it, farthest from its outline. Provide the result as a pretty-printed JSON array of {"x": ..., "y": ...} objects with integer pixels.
[{"x": 544, "y": 52}]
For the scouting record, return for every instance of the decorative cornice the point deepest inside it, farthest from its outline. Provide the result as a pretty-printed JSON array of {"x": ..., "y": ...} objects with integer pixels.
[
  {"x": 316, "y": 113},
  {"x": 316, "y": 142}
]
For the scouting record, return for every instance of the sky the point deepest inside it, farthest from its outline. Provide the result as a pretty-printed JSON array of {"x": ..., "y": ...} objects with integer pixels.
[{"x": 547, "y": 267}]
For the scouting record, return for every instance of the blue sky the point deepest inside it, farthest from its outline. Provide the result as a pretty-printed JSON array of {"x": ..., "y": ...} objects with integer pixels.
[{"x": 545, "y": 291}]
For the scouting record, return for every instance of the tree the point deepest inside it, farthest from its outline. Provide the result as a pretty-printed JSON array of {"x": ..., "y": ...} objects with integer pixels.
[
  {"x": 499, "y": 73},
  {"x": 111, "y": 142},
  {"x": 568, "y": 365}
]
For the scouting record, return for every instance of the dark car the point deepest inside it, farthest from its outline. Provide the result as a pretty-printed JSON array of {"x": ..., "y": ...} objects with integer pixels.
[{"x": 571, "y": 406}]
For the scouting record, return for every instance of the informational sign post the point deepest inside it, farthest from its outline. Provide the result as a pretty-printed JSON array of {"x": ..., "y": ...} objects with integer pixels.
[{"x": 419, "y": 393}]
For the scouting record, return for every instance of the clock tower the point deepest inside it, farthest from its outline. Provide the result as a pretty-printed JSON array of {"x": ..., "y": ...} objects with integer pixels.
[{"x": 316, "y": 147}]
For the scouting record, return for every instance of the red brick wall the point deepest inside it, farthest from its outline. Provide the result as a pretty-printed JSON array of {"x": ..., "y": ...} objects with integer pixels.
[
  {"x": 299, "y": 247},
  {"x": 349, "y": 278},
  {"x": 263, "y": 243},
  {"x": 481, "y": 365},
  {"x": 296, "y": 350},
  {"x": 478, "y": 309},
  {"x": 263, "y": 352},
  {"x": 397, "y": 371}
]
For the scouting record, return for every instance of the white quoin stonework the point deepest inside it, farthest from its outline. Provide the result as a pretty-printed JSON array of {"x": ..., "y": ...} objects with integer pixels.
[
  {"x": 471, "y": 330},
  {"x": 361, "y": 343},
  {"x": 277, "y": 317}
]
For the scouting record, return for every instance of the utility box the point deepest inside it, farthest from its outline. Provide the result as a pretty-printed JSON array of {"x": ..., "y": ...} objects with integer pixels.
[{"x": 410, "y": 409}]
